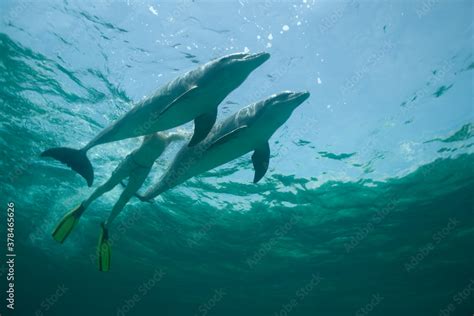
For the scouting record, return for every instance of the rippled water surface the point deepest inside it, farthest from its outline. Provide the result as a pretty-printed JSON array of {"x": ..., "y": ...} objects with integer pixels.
[{"x": 367, "y": 207}]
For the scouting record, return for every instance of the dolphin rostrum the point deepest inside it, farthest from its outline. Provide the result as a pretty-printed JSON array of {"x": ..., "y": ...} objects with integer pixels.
[
  {"x": 246, "y": 130},
  {"x": 192, "y": 96}
]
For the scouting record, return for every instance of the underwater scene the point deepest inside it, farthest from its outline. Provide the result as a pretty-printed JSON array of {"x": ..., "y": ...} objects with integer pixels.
[{"x": 269, "y": 157}]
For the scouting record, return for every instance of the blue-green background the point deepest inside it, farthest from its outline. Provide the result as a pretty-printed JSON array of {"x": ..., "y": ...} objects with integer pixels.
[{"x": 366, "y": 209}]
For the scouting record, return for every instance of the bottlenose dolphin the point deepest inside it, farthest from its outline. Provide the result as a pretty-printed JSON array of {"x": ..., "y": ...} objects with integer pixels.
[
  {"x": 192, "y": 96},
  {"x": 246, "y": 130}
]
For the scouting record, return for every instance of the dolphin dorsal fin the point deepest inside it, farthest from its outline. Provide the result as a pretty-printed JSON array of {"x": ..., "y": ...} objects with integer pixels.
[
  {"x": 227, "y": 137},
  {"x": 184, "y": 96},
  {"x": 261, "y": 159}
]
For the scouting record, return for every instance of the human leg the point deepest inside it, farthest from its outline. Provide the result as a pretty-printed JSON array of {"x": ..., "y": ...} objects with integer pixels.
[
  {"x": 136, "y": 180},
  {"x": 69, "y": 221}
]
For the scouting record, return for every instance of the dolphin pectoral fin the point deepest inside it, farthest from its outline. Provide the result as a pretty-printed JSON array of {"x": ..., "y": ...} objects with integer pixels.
[
  {"x": 227, "y": 137},
  {"x": 183, "y": 97},
  {"x": 202, "y": 126},
  {"x": 261, "y": 159}
]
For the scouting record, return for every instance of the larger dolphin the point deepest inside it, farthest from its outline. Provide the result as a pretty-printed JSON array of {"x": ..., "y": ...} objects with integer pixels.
[
  {"x": 192, "y": 96},
  {"x": 247, "y": 130}
]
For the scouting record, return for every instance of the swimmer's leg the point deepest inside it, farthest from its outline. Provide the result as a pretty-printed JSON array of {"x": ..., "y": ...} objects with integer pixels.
[
  {"x": 134, "y": 184},
  {"x": 70, "y": 220},
  {"x": 123, "y": 171},
  {"x": 104, "y": 248}
]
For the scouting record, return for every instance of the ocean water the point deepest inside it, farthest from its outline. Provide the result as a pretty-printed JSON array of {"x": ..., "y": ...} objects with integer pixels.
[{"x": 367, "y": 207}]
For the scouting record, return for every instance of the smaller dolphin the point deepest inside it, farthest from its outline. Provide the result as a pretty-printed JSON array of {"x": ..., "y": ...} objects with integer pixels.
[
  {"x": 247, "y": 130},
  {"x": 192, "y": 96}
]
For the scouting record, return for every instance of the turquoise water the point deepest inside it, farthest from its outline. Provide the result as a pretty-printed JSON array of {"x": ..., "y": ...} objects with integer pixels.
[{"x": 367, "y": 207}]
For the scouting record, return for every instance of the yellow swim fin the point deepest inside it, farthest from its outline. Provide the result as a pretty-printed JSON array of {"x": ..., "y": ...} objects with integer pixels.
[
  {"x": 104, "y": 249},
  {"x": 67, "y": 224}
]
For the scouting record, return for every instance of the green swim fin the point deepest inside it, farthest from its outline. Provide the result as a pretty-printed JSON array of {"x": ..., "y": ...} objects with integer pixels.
[
  {"x": 67, "y": 224},
  {"x": 103, "y": 249}
]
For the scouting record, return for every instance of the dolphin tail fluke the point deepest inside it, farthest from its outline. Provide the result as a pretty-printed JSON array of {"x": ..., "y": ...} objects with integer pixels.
[{"x": 74, "y": 158}]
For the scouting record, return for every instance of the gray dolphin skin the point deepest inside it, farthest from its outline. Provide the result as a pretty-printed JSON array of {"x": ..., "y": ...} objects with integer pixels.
[
  {"x": 246, "y": 130},
  {"x": 192, "y": 96}
]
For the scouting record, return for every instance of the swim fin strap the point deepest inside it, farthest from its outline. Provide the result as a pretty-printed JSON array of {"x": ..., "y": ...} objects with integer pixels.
[{"x": 104, "y": 249}]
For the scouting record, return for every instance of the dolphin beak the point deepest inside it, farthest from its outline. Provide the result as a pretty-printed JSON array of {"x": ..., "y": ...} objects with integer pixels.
[
  {"x": 257, "y": 59},
  {"x": 300, "y": 97}
]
